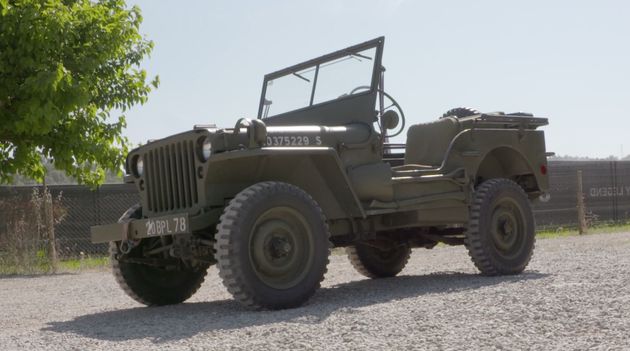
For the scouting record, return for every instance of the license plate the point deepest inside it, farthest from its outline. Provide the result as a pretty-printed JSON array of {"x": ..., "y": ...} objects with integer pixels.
[{"x": 167, "y": 226}]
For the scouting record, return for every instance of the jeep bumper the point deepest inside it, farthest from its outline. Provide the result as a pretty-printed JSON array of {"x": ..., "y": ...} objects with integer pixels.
[{"x": 141, "y": 228}]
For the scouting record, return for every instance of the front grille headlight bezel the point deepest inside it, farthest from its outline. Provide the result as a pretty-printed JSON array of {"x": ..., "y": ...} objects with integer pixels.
[
  {"x": 205, "y": 149},
  {"x": 137, "y": 166}
]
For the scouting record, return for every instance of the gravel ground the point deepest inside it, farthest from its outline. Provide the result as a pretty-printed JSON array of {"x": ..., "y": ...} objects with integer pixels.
[{"x": 574, "y": 295}]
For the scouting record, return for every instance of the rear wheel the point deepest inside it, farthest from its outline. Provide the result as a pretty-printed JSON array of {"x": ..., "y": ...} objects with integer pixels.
[
  {"x": 379, "y": 261},
  {"x": 272, "y": 246},
  {"x": 153, "y": 285},
  {"x": 501, "y": 234}
]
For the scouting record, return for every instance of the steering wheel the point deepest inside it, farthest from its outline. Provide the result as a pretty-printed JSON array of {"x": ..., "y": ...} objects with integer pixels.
[
  {"x": 387, "y": 105},
  {"x": 360, "y": 87}
]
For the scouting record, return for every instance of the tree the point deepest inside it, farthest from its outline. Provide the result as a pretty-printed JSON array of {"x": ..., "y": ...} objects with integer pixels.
[
  {"x": 65, "y": 67},
  {"x": 57, "y": 177}
]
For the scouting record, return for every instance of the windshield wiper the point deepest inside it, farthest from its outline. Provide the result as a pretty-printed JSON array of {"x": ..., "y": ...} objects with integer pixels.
[{"x": 301, "y": 77}]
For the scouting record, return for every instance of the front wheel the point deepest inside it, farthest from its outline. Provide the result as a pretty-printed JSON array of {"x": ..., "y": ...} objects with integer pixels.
[
  {"x": 272, "y": 246},
  {"x": 501, "y": 234},
  {"x": 153, "y": 285}
]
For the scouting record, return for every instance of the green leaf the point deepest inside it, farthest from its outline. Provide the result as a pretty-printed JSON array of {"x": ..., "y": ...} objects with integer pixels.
[{"x": 4, "y": 7}]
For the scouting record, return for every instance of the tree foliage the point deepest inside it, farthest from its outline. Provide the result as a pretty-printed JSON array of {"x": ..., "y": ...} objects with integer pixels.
[{"x": 65, "y": 67}]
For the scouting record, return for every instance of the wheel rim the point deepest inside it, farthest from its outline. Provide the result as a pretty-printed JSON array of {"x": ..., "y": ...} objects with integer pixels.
[
  {"x": 508, "y": 228},
  {"x": 281, "y": 247}
]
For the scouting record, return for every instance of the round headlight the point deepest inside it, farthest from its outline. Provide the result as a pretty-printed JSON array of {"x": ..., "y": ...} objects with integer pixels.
[
  {"x": 139, "y": 166},
  {"x": 206, "y": 149}
]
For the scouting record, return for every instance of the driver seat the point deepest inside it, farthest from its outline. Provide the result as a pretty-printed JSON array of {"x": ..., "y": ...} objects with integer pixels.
[{"x": 427, "y": 143}]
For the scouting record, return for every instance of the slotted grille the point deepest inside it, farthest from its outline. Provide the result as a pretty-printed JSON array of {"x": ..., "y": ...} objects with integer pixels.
[{"x": 170, "y": 177}]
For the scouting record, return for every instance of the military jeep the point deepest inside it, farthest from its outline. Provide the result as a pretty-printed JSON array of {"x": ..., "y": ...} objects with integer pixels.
[{"x": 267, "y": 199}]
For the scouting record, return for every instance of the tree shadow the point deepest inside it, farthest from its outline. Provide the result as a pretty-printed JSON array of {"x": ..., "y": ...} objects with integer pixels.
[{"x": 169, "y": 323}]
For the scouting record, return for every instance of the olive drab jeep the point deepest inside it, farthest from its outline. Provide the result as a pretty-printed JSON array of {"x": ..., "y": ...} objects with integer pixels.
[{"x": 267, "y": 199}]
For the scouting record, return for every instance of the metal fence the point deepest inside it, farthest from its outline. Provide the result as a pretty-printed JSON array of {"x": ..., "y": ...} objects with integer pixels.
[
  {"x": 81, "y": 207},
  {"x": 606, "y": 190},
  {"x": 606, "y": 187}
]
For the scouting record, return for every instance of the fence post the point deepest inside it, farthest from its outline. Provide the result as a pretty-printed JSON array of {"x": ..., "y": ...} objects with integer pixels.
[
  {"x": 580, "y": 205},
  {"x": 49, "y": 221}
]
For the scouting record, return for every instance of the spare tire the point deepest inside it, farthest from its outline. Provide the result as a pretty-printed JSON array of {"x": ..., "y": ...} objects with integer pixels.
[{"x": 460, "y": 112}]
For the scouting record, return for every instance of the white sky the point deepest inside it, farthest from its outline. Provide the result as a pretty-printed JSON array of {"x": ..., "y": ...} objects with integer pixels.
[{"x": 565, "y": 60}]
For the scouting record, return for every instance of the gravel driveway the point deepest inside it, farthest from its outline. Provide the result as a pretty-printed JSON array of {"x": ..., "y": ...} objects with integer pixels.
[{"x": 575, "y": 295}]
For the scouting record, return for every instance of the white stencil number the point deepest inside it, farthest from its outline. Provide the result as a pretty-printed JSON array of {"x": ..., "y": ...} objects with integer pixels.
[{"x": 293, "y": 140}]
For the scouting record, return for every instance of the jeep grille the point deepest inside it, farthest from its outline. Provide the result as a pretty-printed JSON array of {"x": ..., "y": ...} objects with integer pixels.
[{"x": 170, "y": 177}]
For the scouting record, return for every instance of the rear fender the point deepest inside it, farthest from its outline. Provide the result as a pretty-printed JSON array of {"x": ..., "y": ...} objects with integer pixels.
[{"x": 503, "y": 153}]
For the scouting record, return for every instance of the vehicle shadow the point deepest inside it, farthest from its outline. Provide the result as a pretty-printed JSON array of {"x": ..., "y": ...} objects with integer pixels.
[{"x": 169, "y": 323}]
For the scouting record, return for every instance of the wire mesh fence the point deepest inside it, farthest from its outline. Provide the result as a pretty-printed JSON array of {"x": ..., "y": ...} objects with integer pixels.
[
  {"x": 606, "y": 186},
  {"x": 606, "y": 191},
  {"x": 81, "y": 207}
]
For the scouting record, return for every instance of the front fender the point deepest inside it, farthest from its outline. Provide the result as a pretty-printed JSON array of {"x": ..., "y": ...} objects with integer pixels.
[{"x": 316, "y": 170}]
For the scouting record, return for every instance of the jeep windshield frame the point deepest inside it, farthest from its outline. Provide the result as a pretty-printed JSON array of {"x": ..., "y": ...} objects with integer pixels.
[{"x": 357, "y": 105}]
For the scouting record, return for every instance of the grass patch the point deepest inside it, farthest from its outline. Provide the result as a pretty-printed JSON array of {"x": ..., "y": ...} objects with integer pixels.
[
  {"x": 25, "y": 261},
  {"x": 65, "y": 266},
  {"x": 599, "y": 229},
  {"x": 83, "y": 264}
]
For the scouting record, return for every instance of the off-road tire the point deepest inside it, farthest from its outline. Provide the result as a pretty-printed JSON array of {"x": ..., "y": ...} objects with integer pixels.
[
  {"x": 369, "y": 260},
  {"x": 494, "y": 200},
  {"x": 239, "y": 230},
  {"x": 153, "y": 286},
  {"x": 460, "y": 112}
]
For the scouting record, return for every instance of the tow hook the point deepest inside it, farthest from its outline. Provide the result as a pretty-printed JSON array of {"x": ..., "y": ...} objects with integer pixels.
[{"x": 126, "y": 246}]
